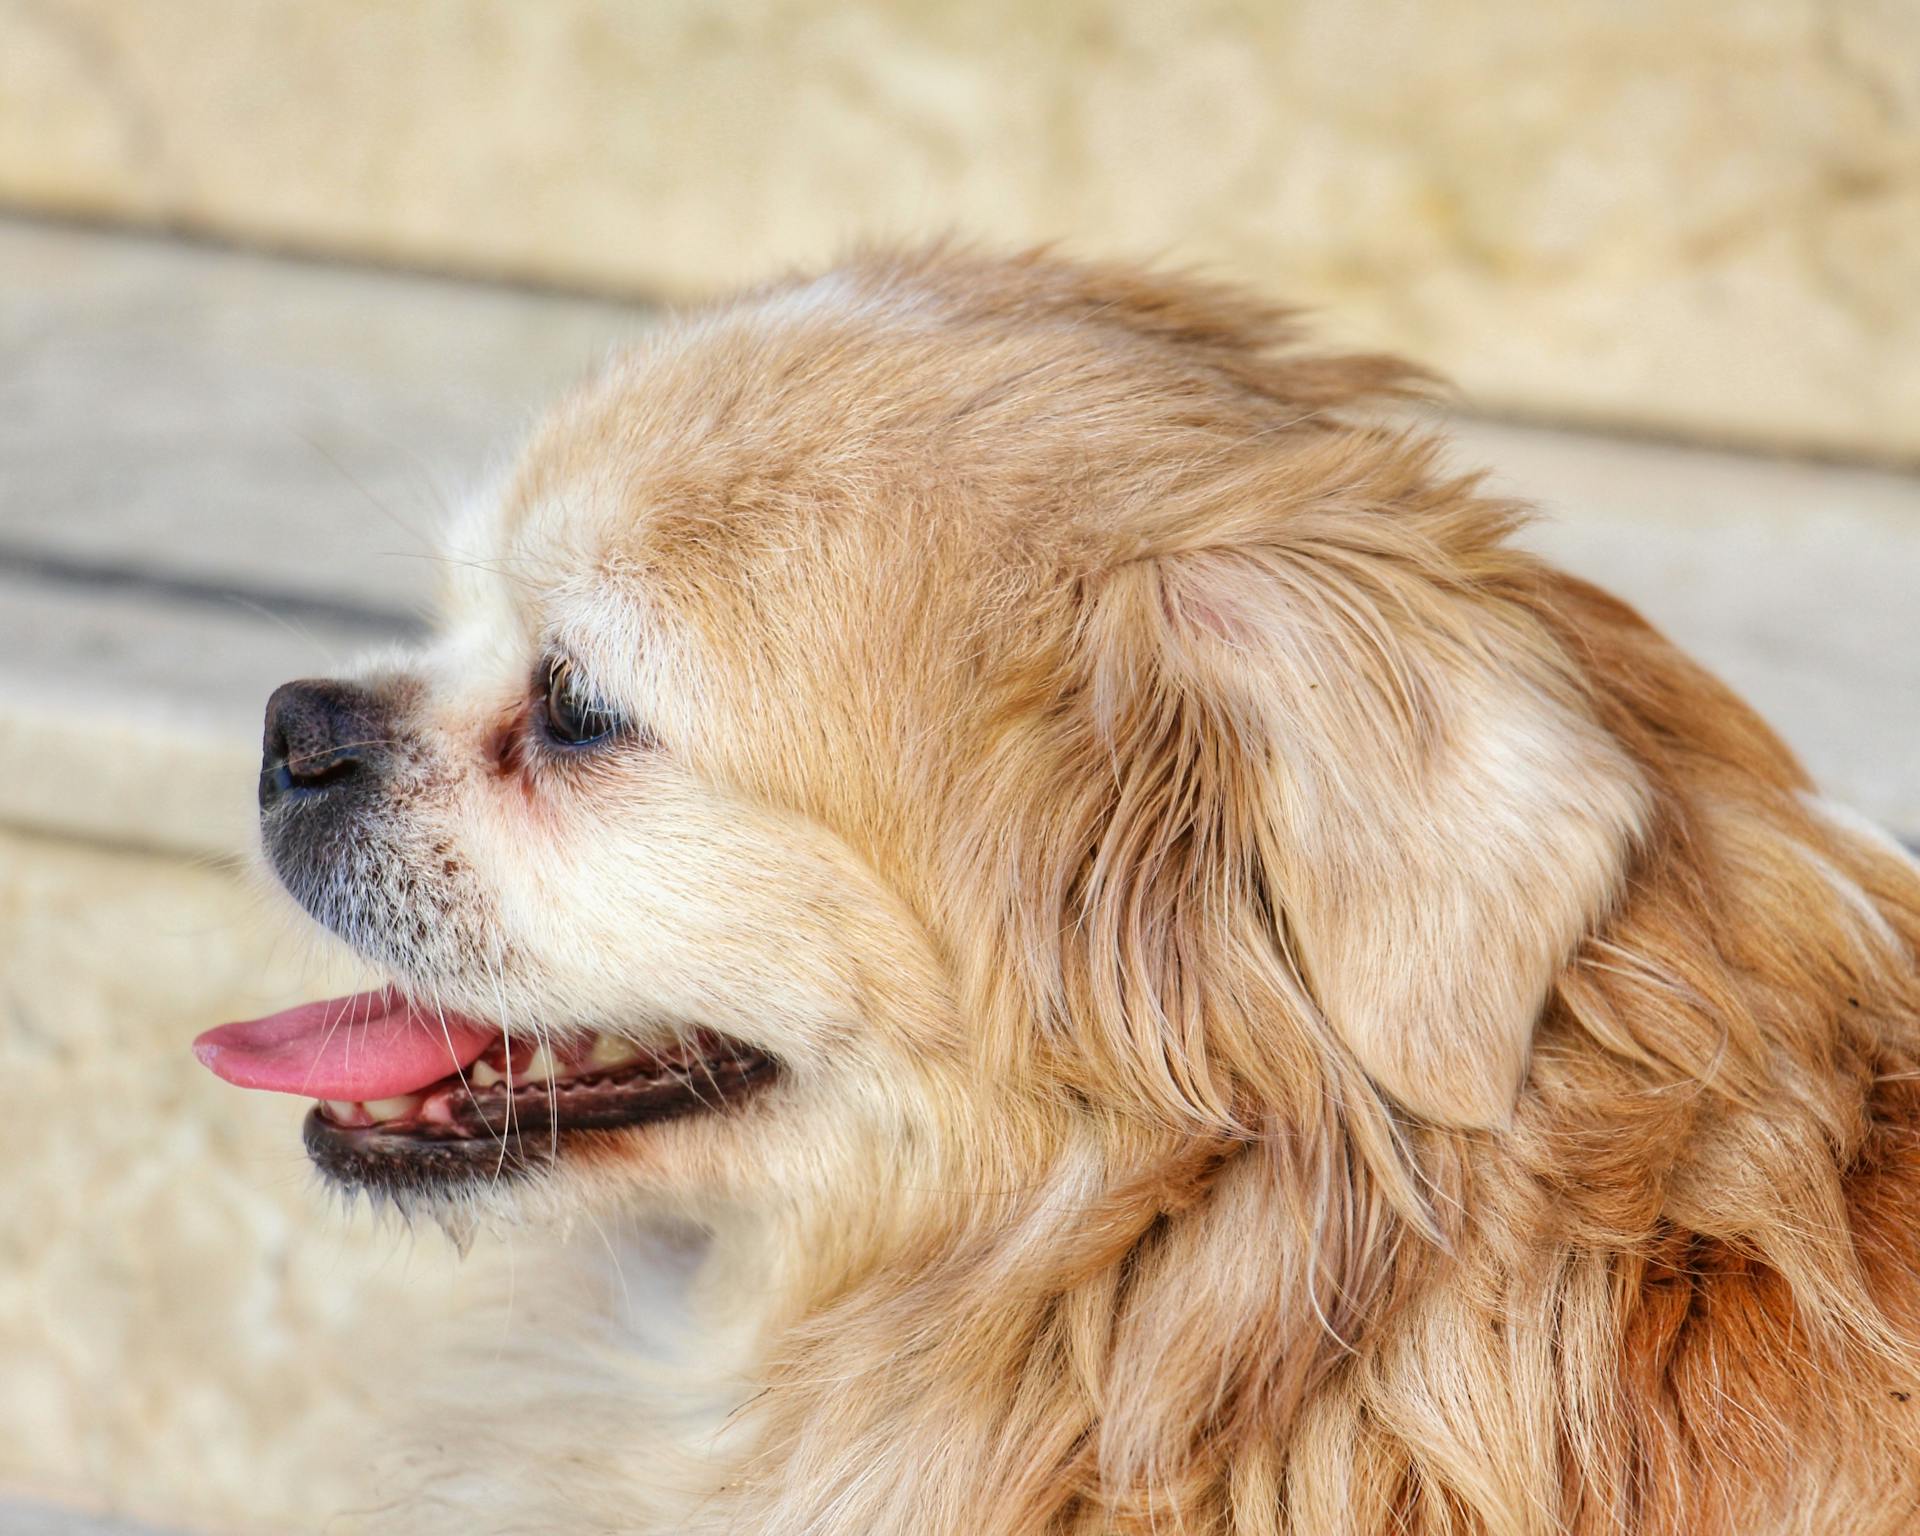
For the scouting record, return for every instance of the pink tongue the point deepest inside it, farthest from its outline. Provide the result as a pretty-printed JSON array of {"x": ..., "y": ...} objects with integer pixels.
[{"x": 369, "y": 1046}]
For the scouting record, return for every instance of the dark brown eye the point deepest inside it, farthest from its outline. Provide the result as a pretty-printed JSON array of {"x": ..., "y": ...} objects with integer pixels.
[{"x": 575, "y": 717}]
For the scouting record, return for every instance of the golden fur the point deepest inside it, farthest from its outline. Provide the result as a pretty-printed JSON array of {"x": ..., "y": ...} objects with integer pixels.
[{"x": 1298, "y": 1018}]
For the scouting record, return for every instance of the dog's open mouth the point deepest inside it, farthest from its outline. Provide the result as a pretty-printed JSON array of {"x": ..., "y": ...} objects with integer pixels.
[{"x": 411, "y": 1097}]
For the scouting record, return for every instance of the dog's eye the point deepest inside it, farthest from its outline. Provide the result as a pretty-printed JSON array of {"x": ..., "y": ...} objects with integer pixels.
[{"x": 575, "y": 717}]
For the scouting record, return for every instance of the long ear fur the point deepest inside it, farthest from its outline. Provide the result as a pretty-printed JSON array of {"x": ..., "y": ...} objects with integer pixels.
[{"x": 1389, "y": 728}]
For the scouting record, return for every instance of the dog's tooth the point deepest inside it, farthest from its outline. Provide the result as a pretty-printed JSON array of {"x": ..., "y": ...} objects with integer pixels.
[
  {"x": 342, "y": 1111},
  {"x": 483, "y": 1074},
  {"x": 611, "y": 1051},
  {"x": 540, "y": 1067},
  {"x": 397, "y": 1108}
]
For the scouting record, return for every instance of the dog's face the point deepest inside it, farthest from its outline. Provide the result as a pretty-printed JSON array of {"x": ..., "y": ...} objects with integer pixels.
[{"x": 930, "y": 715}]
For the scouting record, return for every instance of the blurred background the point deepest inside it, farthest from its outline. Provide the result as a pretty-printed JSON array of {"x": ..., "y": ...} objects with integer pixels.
[{"x": 281, "y": 282}]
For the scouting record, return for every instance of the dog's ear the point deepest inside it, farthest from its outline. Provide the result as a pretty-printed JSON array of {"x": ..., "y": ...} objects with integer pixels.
[{"x": 1375, "y": 730}]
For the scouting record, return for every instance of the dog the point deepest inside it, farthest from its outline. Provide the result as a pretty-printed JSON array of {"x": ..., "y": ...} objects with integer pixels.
[{"x": 1178, "y": 980}]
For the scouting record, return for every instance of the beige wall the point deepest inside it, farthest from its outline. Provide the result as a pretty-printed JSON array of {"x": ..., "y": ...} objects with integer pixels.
[{"x": 1690, "y": 216}]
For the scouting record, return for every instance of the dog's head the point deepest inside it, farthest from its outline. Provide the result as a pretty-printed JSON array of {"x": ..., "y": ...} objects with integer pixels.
[{"x": 926, "y": 719}]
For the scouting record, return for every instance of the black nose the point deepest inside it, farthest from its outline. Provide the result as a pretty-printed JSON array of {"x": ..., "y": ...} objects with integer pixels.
[{"x": 320, "y": 737}]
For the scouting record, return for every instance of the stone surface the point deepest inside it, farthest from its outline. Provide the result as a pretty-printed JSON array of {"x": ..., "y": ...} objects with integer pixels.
[
  {"x": 1697, "y": 217},
  {"x": 288, "y": 428},
  {"x": 21, "y": 1518}
]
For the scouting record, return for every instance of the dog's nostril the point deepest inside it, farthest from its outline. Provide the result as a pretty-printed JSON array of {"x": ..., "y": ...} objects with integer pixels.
[
  {"x": 319, "y": 735},
  {"x": 318, "y": 771},
  {"x": 331, "y": 768}
]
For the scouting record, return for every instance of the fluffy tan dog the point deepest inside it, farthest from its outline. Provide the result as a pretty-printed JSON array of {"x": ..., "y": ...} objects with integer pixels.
[{"x": 1185, "y": 985}]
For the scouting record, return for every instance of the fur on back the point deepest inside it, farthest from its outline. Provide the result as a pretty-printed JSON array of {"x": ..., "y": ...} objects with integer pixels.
[{"x": 1412, "y": 1054}]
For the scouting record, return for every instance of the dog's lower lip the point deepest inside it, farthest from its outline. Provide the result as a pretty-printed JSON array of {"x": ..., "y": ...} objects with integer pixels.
[{"x": 402, "y": 1167}]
